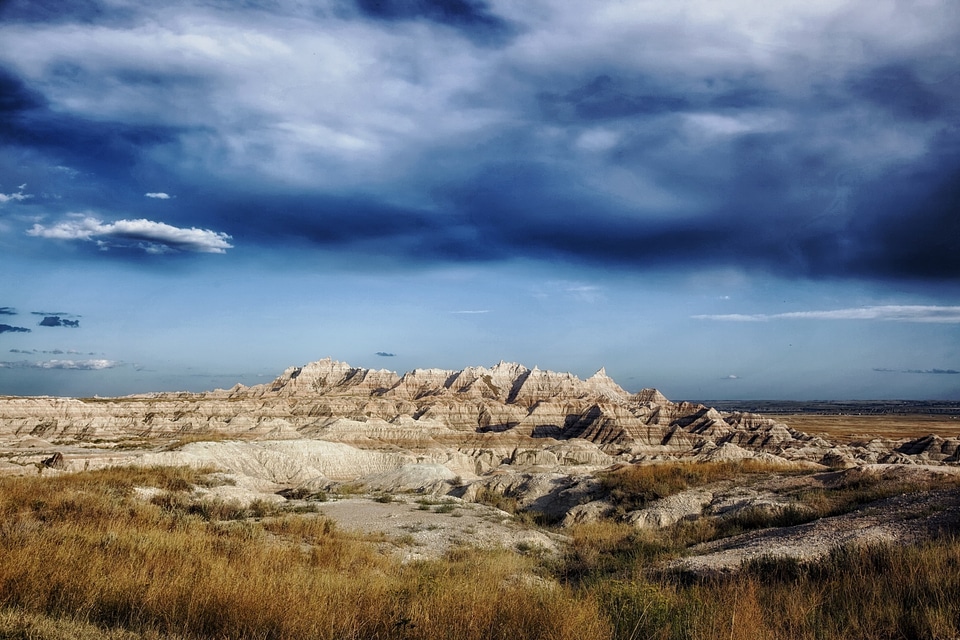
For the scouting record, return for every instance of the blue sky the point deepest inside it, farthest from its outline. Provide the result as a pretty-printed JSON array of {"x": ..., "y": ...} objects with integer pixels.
[{"x": 720, "y": 199}]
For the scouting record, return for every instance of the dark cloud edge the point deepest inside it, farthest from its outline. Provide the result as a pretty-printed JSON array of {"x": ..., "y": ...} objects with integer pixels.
[{"x": 6, "y": 328}]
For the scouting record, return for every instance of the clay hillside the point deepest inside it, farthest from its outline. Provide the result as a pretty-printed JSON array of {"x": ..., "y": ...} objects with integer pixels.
[
  {"x": 563, "y": 450},
  {"x": 475, "y": 411}
]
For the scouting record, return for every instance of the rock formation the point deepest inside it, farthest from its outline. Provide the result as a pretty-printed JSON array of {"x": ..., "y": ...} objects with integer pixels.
[{"x": 481, "y": 417}]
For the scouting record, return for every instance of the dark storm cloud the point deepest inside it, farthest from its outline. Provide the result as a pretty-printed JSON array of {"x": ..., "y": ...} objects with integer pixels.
[
  {"x": 108, "y": 150},
  {"x": 6, "y": 328},
  {"x": 8, "y": 311},
  {"x": 57, "y": 321},
  {"x": 60, "y": 11},
  {"x": 605, "y": 98},
  {"x": 15, "y": 96},
  {"x": 322, "y": 220},
  {"x": 631, "y": 139},
  {"x": 99, "y": 147},
  {"x": 896, "y": 88},
  {"x": 472, "y": 17},
  {"x": 385, "y": 354},
  {"x": 909, "y": 225}
]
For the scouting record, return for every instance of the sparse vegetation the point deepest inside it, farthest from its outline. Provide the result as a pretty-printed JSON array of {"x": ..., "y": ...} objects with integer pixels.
[
  {"x": 82, "y": 557},
  {"x": 632, "y": 487},
  {"x": 496, "y": 499},
  {"x": 857, "y": 592},
  {"x": 189, "y": 438},
  {"x": 83, "y": 548}
]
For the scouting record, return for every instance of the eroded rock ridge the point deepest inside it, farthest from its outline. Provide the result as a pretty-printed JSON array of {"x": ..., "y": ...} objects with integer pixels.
[{"x": 505, "y": 413}]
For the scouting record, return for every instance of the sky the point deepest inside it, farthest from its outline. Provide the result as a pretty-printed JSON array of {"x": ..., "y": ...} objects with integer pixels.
[{"x": 722, "y": 199}]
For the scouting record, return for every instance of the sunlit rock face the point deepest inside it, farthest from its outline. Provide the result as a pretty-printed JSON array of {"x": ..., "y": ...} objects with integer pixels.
[{"x": 507, "y": 412}]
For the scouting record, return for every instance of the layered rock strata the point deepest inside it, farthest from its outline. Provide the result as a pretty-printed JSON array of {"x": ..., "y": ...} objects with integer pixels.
[{"x": 506, "y": 414}]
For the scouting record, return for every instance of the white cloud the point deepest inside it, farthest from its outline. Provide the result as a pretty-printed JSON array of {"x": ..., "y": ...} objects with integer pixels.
[
  {"x": 900, "y": 313},
  {"x": 597, "y": 140},
  {"x": 471, "y": 311},
  {"x": 280, "y": 98},
  {"x": 152, "y": 237},
  {"x": 712, "y": 125},
  {"x": 159, "y": 195},
  {"x": 80, "y": 365},
  {"x": 15, "y": 197}
]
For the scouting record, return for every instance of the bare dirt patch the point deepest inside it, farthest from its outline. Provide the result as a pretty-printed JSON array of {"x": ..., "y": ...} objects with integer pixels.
[{"x": 432, "y": 527}]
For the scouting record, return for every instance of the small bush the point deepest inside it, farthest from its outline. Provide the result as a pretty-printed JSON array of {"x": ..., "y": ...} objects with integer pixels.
[{"x": 496, "y": 499}]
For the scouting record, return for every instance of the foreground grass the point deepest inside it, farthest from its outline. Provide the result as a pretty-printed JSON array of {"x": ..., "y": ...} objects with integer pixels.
[
  {"x": 81, "y": 549},
  {"x": 82, "y": 557},
  {"x": 879, "y": 592}
]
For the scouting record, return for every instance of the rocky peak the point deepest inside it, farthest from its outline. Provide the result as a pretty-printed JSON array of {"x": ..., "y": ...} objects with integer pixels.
[
  {"x": 650, "y": 396},
  {"x": 328, "y": 375},
  {"x": 603, "y": 385},
  {"x": 421, "y": 382}
]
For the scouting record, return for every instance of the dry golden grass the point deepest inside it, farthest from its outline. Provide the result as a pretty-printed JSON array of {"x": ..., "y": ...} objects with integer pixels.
[
  {"x": 16, "y": 623},
  {"x": 632, "y": 487},
  {"x": 850, "y": 428},
  {"x": 81, "y": 557},
  {"x": 857, "y": 593},
  {"x": 81, "y": 547}
]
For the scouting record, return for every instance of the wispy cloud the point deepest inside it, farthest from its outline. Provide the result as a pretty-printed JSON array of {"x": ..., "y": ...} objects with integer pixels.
[
  {"x": 80, "y": 365},
  {"x": 151, "y": 237},
  {"x": 898, "y": 313},
  {"x": 158, "y": 195},
  {"x": 385, "y": 354},
  {"x": 8, "y": 311},
  {"x": 55, "y": 352},
  {"x": 15, "y": 197},
  {"x": 585, "y": 292},
  {"x": 923, "y": 371}
]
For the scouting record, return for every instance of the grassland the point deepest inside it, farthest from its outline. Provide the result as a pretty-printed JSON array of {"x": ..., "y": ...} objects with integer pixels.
[
  {"x": 85, "y": 556},
  {"x": 845, "y": 428}
]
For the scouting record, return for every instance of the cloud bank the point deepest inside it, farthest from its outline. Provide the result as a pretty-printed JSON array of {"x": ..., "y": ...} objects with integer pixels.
[
  {"x": 699, "y": 135},
  {"x": 898, "y": 313},
  {"x": 78, "y": 365},
  {"x": 922, "y": 371}
]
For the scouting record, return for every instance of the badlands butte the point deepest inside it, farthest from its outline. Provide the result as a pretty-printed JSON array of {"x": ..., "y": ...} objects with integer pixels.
[{"x": 547, "y": 444}]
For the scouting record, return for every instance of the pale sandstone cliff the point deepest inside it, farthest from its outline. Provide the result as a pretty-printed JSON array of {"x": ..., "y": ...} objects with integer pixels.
[{"x": 506, "y": 413}]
